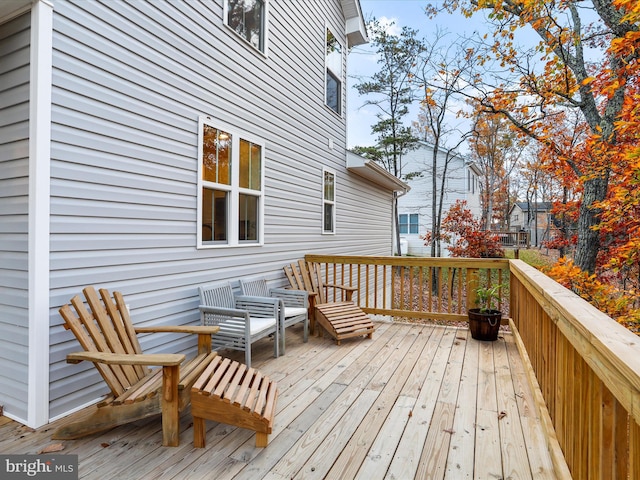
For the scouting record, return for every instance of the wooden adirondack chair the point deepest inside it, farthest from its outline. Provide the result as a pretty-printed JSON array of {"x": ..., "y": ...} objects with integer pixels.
[
  {"x": 110, "y": 341},
  {"x": 340, "y": 319}
]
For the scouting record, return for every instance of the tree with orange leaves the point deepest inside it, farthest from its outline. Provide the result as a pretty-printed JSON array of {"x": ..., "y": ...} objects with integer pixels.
[{"x": 586, "y": 60}]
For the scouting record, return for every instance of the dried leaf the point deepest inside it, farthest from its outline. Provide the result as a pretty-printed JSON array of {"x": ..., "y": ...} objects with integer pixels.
[
  {"x": 501, "y": 415},
  {"x": 105, "y": 444},
  {"x": 449, "y": 430},
  {"x": 54, "y": 447},
  {"x": 410, "y": 413}
]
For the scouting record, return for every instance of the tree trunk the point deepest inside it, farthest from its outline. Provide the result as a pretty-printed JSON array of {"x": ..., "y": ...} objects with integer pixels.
[{"x": 595, "y": 190}]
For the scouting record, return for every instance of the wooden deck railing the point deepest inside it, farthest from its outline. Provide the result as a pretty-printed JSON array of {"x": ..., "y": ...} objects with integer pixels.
[
  {"x": 514, "y": 239},
  {"x": 414, "y": 287},
  {"x": 584, "y": 367},
  {"x": 588, "y": 370}
]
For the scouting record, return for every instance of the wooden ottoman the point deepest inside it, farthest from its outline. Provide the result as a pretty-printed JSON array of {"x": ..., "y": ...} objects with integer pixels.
[
  {"x": 343, "y": 320},
  {"x": 229, "y": 392}
]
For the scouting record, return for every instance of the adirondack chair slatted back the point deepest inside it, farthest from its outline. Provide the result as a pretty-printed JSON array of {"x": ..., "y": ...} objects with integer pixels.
[
  {"x": 306, "y": 276},
  {"x": 105, "y": 327}
]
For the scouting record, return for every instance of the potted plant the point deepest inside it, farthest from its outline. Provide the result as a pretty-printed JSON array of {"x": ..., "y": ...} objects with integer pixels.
[{"x": 484, "y": 321}]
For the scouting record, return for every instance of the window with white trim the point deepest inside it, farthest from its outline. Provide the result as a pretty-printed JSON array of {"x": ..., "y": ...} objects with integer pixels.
[
  {"x": 248, "y": 19},
  {"x": 230, "y": 187},
  {"x": 408, "y": 223},
  {"x": 328, "y": 201},
  {"x": 333, "y": 63}
]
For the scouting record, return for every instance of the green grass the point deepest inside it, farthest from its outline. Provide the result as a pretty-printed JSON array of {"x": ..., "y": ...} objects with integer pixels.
[{"x": 533, "y": 257}]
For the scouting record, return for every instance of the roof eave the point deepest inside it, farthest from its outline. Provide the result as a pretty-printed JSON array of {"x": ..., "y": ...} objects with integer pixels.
[
  {"x": 373, "y": 172},
  {"x": 356, "y": 30}
]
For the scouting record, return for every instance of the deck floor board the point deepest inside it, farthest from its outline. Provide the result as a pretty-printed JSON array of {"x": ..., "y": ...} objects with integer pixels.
[{"x": 416, "y": 401}]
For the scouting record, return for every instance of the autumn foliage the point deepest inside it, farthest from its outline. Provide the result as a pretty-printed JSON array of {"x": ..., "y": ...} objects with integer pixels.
[
  {"x": 465, "y": 234},
  {"x": 577, "y": 93},
  {"x": 607, "y": 298}
]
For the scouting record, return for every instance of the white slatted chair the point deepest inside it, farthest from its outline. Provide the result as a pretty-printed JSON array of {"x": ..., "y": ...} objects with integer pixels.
[
  {"x": 296, "y": 304},
  {"x": 242, "y": 319}
]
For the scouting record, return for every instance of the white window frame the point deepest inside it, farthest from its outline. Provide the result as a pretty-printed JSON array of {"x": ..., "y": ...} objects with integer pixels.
[
  {"x": 265, "y": 29},
  {"x": 409, "y": 223},
  {"x": 325, "y": 202},
  {"x": 338, "y": 75},
  {"x": 234, "y": 190}
]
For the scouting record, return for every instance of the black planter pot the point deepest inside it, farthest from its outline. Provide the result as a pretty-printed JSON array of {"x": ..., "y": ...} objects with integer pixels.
[{"x": 484, "y": 325}]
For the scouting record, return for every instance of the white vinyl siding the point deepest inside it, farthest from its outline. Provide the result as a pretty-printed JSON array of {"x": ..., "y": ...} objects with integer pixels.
[
  {"x": 130, "y": 81},
  {"x": 14, "y": 207},
  {"x": 419, "y": 199}
]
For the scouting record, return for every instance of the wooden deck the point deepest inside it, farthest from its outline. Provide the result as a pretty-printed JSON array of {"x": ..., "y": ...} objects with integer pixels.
[{"x": 416, "y": 401}]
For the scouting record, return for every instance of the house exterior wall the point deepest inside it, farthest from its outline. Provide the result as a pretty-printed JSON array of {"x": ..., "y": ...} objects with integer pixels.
[
  {"x": 14, "y": 206},
  {"x": 419, "y": 200},
  {"x": 130, "y": 81},
  {"x": 540, "y": 228}
]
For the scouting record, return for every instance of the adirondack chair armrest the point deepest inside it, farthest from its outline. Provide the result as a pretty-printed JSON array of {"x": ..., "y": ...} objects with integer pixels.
[
  {"x": 150, "y": 359},
  {"x": 204, "y": 333},
  {"x": 193, "y": 329},
  {"x": 346, "y": 288}
]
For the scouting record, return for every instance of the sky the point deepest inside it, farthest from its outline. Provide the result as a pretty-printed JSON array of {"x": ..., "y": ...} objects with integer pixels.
[{"x": 362, "y": 59}]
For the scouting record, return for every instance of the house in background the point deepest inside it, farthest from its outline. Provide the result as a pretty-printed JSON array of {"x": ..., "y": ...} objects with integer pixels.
[
  {"x": 535, "y": 218},
  {"x": 151, "y": 147},
  {"x": 415, "y": 208}
]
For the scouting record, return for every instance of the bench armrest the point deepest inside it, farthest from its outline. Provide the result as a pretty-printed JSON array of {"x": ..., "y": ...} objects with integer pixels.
[
  {"x": 258, "y": 306},
  {"x": 291, "y": 298},
  {"x": 228, "y": 312}
]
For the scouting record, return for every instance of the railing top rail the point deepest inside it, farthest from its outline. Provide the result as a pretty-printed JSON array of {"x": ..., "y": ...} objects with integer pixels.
[
  {"x": 410, "y": 261},
  {"x": 611, "y": 350}
]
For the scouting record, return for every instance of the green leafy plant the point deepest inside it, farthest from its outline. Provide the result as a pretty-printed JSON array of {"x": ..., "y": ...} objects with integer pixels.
[{"x": 488, "y": 298}]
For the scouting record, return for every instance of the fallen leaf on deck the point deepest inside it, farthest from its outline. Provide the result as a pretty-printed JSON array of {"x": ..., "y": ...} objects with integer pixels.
[
  {"x": 501, "y": 415},
  {"x": 54, "y": 447}
]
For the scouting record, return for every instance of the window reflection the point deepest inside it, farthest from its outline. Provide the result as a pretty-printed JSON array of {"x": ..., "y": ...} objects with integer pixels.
[
  {"x": 246, "y": 17},
  {"x": 216, "y": 155}
]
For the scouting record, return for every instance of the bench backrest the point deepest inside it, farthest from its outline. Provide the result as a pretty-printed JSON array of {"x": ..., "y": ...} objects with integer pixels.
[
  {"x": 218, "y": 295},
  {"x": 254, "y": 287}
]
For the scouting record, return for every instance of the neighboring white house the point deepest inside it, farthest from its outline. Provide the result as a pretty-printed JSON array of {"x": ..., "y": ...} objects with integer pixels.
[
  {"x": 153, "y": 146},
  {"x": 415, "y": 208}
]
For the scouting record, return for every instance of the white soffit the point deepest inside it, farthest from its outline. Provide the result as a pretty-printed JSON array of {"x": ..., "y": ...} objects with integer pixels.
[
  {"x": 356, "y": 29},
  {"x": 373, "y": 172}
]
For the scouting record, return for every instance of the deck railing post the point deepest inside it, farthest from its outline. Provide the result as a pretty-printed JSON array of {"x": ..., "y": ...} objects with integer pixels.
[{"x": 473, "y": 280}]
